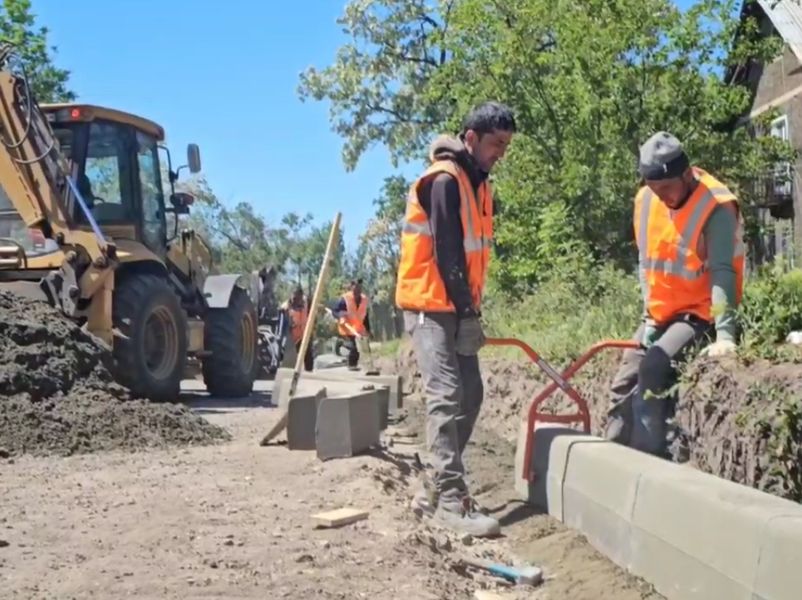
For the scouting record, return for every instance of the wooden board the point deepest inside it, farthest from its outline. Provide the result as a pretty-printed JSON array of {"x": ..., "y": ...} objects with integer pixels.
[
  {"x": 485, "y": 595},
  {"x": 340, "y": 517}
]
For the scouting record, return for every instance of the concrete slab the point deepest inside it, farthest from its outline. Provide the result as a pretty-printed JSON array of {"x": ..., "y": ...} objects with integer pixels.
[
  {"x": 339, "y": 378},
  {"x": 692, "y": 535},
  {"x": 540, "y": 493},
  {"x": 393, "y": 382},
  {"x": 599, "y": 490},
  {"x": 710, "y": 546},
  {"x": 328, "y": 361},
  {"x": 347, "y": 425},
  {"x": 779, "y": 570},
  {"x": 302, "y": 420},
  {"x": 309, "y": 386}
]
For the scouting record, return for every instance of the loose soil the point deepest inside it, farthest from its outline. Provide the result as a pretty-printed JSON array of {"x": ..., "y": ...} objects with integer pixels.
[
  {"x": 234, "y": 521},
  {"x": 57, "y": 394},
  {"x": 739, "y": 421}
]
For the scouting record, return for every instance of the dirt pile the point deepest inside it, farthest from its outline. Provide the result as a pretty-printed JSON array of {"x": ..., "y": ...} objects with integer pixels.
[
  {"x": 744, "y": 423},
  {"x": 740, "y": 422},
  {"x": 57, "y": 394}
]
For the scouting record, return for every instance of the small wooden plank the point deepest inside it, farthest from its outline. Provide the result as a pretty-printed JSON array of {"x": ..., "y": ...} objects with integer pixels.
[
  {"x": 340, "y": 517},
  {"x": 485, "y": 595}
]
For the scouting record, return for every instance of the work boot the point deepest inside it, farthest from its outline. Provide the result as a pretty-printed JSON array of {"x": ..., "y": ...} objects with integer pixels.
[{"x": 461, "y": 515}]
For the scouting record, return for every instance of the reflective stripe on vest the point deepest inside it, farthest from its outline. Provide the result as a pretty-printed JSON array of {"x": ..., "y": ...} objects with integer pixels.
[
  {"x": 419, "y": 285},
  {"x": 683, "y": 241},
  {"x": 471, "y": 242}
]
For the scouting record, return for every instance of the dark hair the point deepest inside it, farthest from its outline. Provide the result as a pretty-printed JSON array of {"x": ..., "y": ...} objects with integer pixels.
[{"x": 488, "y": 117}]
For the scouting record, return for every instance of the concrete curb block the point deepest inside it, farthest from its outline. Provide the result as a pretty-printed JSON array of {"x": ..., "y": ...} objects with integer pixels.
[
  {"x": 392, "y": 382},
  {"x": 692, "y": 535},
  {"x": 307, "y": 386}
]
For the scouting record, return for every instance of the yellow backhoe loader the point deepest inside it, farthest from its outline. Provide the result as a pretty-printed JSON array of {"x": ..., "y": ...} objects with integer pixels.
[{"x": 84, "y": 224}]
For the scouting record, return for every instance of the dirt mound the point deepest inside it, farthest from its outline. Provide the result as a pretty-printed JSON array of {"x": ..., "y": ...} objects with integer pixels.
[
  {"x": 739, "y": 422},
  {"x": 57, "y": 394},
  {"x": 744, "y": 423}
]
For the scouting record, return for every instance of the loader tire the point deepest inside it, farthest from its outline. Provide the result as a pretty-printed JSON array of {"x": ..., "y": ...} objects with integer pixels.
[
  {"x": 230, "y": 334},
  {"x": 150, "y": 360}
]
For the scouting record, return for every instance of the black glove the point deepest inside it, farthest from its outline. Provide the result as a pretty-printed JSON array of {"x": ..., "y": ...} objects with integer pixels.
[{"x": 470, "y": 337}]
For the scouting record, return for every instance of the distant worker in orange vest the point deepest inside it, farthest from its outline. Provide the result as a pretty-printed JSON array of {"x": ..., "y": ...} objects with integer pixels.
[
  {"x": 445, "y": 251},
  {"x": 689, "y": 234},
  {"x": 298, "y": 312},
  {"x": 352, "y": 319}
]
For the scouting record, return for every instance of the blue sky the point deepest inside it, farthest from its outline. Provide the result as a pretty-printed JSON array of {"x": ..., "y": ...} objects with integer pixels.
[{"x": 224, "y": 77}]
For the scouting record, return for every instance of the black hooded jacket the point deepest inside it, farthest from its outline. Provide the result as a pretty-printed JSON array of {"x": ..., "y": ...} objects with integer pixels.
[{"x": 440, "y": 199}]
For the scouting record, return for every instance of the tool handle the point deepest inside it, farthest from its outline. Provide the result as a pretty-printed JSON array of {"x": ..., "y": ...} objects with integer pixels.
[
  {"x": 508, "y": 573},
  {"x": 316, "y": 300},
  {"x": 490, "y": 567}
]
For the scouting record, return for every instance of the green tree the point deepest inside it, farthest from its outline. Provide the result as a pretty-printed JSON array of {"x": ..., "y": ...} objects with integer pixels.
[
  {"x": 244, "y": 241},
  {"x": 377, "y": 84},
  {"x": 589, "y": 80},
  {"x": 378, "y": 253},
  {"x": 18, "y": 26}
]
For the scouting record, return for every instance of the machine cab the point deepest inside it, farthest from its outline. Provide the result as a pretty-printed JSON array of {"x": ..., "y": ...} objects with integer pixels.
[{"x": 118, "y": 170}]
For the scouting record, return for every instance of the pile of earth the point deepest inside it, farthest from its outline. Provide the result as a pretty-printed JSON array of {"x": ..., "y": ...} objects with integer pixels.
[
  {"x": 57, "y": 394},
  {"x": 741, "y": 422}
]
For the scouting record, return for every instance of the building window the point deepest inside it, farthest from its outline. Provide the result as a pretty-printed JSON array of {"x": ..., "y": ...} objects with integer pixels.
[{"x": 782, "y": 171}]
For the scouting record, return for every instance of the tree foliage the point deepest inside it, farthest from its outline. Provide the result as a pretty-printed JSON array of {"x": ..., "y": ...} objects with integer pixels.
[
  {"x": 378, "y": 252},
  {"x": 18, "y": 26},
  {"x": 589, "y": 80},
  {"x": 377, "y": 85},
  {"x": 244, "y": 241}
]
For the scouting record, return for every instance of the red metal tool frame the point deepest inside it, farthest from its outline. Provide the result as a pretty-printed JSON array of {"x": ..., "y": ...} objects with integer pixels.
[{"x": 558, "y": 380}]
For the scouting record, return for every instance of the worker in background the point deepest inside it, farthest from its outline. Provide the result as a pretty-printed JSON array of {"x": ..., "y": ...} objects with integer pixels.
[
  {"x": 352, "y": 317},
  {"x": 297, "y": 309},
  {"x": 445, "y": 251},
  {"x": 691, "y": 262}
]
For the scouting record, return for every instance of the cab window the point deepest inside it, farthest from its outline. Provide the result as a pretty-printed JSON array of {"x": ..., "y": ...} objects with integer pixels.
[{"x": 104, "y": 182}]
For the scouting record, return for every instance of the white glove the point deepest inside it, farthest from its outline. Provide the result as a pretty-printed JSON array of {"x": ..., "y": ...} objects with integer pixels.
[{"x": 720, "y": 348}]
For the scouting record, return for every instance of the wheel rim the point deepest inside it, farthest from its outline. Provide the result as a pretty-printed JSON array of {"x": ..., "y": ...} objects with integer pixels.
[
  {"x": 161, "y": 343},
  {"x": 248, "y": 337}
]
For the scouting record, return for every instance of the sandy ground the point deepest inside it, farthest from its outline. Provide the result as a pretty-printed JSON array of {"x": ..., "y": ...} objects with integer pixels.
[{"x": 234, "y": 521}]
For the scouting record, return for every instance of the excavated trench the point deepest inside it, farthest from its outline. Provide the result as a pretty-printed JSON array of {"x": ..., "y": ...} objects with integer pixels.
[
  {"x": 57, "y": 394},
  {"x": 741, "y": 422}
]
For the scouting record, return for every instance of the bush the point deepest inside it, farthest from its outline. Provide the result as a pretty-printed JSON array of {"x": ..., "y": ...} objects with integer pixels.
[
  {"x": 771, "y": 309},
  {"x": 572, "y": 309}
]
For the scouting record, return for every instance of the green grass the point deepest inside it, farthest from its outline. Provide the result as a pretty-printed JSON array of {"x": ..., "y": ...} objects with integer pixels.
[{"x": 565, "y": 316}]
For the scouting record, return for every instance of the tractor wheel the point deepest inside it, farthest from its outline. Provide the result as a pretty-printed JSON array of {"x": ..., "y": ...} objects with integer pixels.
[
  {"x": 230, "y": 334},
  {"x": 150, "y": 362}
]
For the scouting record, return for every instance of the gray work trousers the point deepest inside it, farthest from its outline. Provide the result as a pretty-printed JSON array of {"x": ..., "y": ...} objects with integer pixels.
[
  {"x": 453, "y": 389},
  {"x": 642, "y": 395}
]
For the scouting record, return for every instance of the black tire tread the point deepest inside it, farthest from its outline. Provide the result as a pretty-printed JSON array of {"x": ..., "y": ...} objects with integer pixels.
[
  {"x": 130, "y": 295},
  {"x": 222, "y": 370}
]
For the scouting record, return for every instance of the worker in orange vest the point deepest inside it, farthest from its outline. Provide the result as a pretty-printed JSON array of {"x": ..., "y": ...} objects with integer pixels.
[
  {"x": 353, "y": 320},
  {"x": 298, "y": 312},
  {"x": 689, "y": 235},
  {"x": 445, "y": 251}
]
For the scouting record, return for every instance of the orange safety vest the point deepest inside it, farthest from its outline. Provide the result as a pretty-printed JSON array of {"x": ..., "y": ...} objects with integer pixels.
[
  {"x": 672, "y": 252},
  {"x": 419, "y": 285},
  {"x": 298, "y": 318},
  {"x": 355, "y": 315}
]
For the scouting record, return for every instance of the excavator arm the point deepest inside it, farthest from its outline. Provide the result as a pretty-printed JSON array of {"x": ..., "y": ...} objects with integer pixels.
[{"x": 36, "y": 179}]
